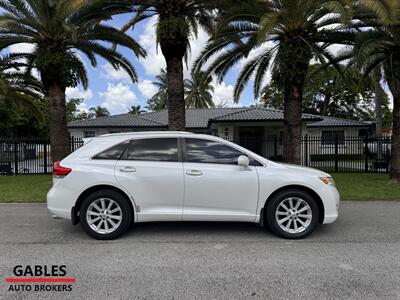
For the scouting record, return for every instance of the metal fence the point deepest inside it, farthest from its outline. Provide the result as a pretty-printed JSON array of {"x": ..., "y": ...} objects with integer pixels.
[
  {"x": 332, "y": 154},
  {"x": 353, "y": 154},
  {"x": 28, "y": 155}
]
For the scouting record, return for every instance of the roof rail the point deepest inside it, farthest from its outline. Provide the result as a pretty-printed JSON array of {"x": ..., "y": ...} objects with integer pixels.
[{"x": 144, "y": 133}]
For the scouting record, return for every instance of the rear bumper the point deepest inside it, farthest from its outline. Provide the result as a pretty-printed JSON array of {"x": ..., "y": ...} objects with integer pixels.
[{"x": 59, "y": 205}]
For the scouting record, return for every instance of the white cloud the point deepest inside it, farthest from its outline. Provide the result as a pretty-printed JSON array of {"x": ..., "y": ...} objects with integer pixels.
[
  {"x": 147, "y": 88},
  {"x": 223, "y": 95},
  {"x": 108, "y": 72},
  {"x": 77, "y": 92},
  {"x": 83, "y": 107},
  {"x": 196, "y": 46},
  {"x": 22, "y": 48},
  {"x": 118, "y": 98},
  {"x": 154, "y": 61}
]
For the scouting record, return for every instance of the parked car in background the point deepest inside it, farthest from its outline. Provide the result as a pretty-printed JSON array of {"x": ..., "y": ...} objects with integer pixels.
[{"x": 119, "y": 179}]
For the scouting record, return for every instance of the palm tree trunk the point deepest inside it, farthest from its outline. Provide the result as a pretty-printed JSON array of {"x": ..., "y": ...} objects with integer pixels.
[
  {"x": 394, "y": 86},
  {"x": 395, "y": 159},
  {"x": 325, "y": 105},
  {"x": 292, "y": 124},
  {"x": 176, "y": 93},
  {"x": 59, "y": 136}
]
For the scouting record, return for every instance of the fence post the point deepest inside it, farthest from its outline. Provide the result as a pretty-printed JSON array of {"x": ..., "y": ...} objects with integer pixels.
[
  {"x": 275, "y": 147},
  {"x": 16, "y": 157},
  {"x": 366, "y": 153},
  {"x": 45, "y": 157},
  {"x": 306, "y": 150},
  {"x": 336, "y": 153}
]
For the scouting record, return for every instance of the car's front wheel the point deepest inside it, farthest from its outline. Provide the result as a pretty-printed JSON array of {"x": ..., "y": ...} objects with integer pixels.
[
  {"x": 292, "y": 214},
  {"x": 105, "y": 214}
]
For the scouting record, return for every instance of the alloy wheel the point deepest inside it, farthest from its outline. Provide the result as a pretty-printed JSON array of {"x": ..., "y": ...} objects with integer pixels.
[
  {"x": 104, "y": 215},
  {"x": 293, "y": 215}
]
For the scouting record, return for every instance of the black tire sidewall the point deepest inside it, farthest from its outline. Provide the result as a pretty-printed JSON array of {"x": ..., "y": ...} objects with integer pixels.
[
  {"x": 277, "y": 199},
  {"x": 127, "y": 216}
]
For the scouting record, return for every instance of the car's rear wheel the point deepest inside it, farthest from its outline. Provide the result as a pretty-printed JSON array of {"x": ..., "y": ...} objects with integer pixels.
[
  {"x": 105, "y": 214},
  {"x": 292, "y": 214}
]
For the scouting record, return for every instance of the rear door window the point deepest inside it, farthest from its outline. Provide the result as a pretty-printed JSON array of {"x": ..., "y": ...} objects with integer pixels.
[{"x": 157, "y": 149}]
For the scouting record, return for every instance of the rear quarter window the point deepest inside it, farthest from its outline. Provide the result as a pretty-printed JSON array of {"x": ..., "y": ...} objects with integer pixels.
[{"x": 113, "y": 153}]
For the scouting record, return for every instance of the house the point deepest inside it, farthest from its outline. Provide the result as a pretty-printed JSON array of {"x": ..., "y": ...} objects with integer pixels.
[{"x": 259, "y": 129}]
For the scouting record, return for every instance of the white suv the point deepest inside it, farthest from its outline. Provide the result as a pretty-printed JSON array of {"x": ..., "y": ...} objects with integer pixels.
[{"x": 119, "y": 179}]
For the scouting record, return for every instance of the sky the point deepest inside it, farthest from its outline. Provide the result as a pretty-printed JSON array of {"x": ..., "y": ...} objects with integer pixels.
[{"x": 114, "y": 90}]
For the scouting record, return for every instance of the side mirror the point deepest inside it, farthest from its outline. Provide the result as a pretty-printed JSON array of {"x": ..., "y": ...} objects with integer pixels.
[{"x": 243, "y": 161}]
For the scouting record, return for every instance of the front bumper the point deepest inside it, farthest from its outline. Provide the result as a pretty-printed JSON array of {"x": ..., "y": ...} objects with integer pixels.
[{"x": 331, "y": 200}]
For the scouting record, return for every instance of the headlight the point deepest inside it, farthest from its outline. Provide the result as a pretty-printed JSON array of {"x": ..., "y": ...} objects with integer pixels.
[{"x": 327, "y": 180}]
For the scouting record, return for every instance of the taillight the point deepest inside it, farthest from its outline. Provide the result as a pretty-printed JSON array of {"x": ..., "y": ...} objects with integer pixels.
[{"x": 60, "y": 171}]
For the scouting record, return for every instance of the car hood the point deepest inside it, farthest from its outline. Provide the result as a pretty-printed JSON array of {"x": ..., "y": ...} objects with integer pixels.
[{"x": 305, "y": 170}]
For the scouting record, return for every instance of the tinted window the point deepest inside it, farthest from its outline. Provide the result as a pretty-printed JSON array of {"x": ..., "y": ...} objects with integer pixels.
[
  {"x": 112, "y": 153},
  {"x": 204, "y": 151},
  {"x": 153, "y": 150}
]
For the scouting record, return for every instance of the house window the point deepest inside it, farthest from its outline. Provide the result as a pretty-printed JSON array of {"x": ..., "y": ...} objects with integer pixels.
[
  {"x": 89, "y": 133},
  {"x": 329, "y": 137}
]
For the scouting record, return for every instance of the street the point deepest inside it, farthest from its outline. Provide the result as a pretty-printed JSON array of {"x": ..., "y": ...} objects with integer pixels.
[{"x": 358, "y": 257}]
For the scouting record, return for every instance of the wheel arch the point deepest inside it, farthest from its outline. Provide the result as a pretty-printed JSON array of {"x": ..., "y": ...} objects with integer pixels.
[
  {"x": 88, "y": 191},
  {"x": 296, "y": 187}
]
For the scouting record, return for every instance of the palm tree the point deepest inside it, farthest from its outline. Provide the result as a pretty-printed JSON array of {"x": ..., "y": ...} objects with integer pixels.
[
  {"x": 57, "y": 30},
  {"x": 198, "y": 91},
  {"x": 136, "y": 110},
  {"x": 177, "y": 21},
  {"x": 379, "y": 46},
  {"x": 160, "y": 99},
  {"x": 99, "y": 111},
  {"x": 282, "y": 36},
  {"x": 19, "y": 88}
]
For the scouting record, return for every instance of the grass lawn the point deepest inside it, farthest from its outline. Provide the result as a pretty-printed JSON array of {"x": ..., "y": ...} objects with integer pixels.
[
  {"x": 364, "y": 186},
  {"x": 351, "y": 186},
  {"x": 31, "y": 189}
]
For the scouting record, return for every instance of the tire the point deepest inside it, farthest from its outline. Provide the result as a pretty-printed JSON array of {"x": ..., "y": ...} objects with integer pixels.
[
  {"x": 300, "y": 217},
  {"x": 115, "y": 218}
]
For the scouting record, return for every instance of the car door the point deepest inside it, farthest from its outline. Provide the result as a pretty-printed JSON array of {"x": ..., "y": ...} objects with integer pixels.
[
  {"x": 216, "y": 187},
  {"x": 151, "y": 170}
]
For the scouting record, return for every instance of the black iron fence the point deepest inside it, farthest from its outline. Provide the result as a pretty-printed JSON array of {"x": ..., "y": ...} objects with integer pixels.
[
  {"x": 354, "y": 154},
  {"x": 28, "y": 155},
  {"x": 332, "y": 154}
]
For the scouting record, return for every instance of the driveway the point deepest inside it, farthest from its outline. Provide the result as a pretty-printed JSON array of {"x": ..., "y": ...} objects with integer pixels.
[{"x": 358, "y": 257}]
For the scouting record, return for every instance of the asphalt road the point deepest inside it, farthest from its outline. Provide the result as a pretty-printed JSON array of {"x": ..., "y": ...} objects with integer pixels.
[{"x": 358, "y": 257}]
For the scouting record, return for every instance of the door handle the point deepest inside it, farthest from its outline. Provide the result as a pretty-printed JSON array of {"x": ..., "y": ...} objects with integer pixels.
[
  {"x": 194, "y": 173},
  {"x": 128, "y": 170}
]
